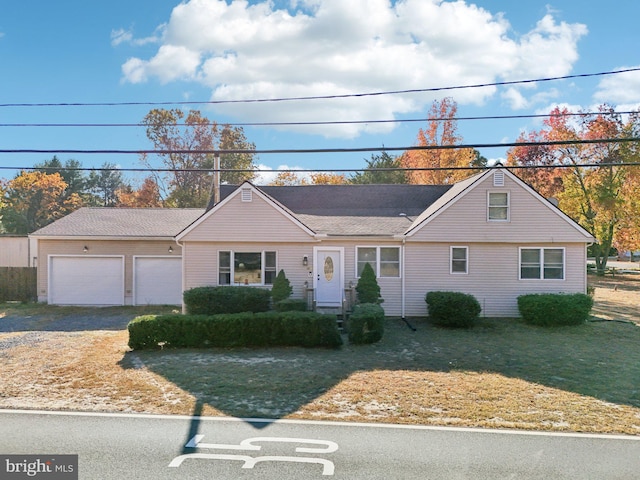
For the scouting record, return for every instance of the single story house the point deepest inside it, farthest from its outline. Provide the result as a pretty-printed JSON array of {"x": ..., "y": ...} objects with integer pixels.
[{"x": 490, "y": 235}]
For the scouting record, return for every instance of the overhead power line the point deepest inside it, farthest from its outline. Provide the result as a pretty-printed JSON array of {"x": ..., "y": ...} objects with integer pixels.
[
  {"x": 319, "y": 170},
  {"x": 323, "y": 97},
  {"x": 334, "y": 122},
  {"x": 321, "y": 150}
]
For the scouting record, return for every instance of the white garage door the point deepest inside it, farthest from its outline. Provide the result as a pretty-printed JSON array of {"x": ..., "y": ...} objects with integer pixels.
[
  {"x": 157, "y": 280},
  {"x": 86, "y": 280}
]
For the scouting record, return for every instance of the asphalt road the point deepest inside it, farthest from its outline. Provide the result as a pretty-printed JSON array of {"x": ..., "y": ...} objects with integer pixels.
[{"x": 117, "y": 446}]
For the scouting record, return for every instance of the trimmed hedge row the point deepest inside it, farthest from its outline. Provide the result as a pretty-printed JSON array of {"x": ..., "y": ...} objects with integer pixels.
[
  {"x": 226, "y": 299},
  {"x": 290, "y": 305},
  {"x": 306, "y": 329},
  {"x": 453, "y": 309},
  {"x": 549, "y": 309},
  {"x": 366, "y": 323}
]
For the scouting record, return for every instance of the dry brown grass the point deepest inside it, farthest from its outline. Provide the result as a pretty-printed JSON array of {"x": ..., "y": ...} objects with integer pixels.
[{"x": 502, "y": 374}]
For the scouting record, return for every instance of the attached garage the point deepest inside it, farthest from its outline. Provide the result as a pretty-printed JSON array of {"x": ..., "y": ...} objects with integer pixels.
[
  {"x": 157, "y": 280},
  {"x": 86, "y": 280}
]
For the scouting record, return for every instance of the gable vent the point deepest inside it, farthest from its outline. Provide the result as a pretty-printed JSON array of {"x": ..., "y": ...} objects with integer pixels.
[
  {"x": 247, "y": 195},
  {"x": 498, "y": 179}
]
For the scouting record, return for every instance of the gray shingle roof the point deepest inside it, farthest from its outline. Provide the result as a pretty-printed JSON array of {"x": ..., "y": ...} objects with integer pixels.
[
  {"x": 352, "y": 200},
  {"x": 354, "y": 210},
  {"x": 122, "y": 222}
]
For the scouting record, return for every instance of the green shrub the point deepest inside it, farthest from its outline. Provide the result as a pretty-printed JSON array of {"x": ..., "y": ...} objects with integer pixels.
[
  {"x": 226, "y": 299},
  {"x": 367, "y": 288},
  {"x": 551, "y": 309},
  {"x": 366, "y": 323},
  {"x": 281, "y": 288},
  {"x": 307, "y": 329},
  {"x": 290, "y": 305},
  {"x": 453, "y": 309}
]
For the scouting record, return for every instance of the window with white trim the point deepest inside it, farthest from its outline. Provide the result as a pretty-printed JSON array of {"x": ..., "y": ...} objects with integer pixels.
[
  {"x": 459, "y": 260},
  {"x": 246, "y": 268},
  {"x": 541, "y": 263},
  {"x": 385, "y": 261},
  {"x": 498, "y": 206}
]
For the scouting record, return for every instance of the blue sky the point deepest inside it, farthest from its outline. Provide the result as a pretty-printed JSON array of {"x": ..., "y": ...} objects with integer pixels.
[{"x": 72, "y": 51}]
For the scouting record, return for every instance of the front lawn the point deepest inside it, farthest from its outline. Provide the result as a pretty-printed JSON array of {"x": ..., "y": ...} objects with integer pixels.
[{"x": 501, "y": 374}]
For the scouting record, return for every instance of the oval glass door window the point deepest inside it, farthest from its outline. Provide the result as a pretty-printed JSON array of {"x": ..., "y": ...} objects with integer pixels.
[{"x": 328, "y": 269}]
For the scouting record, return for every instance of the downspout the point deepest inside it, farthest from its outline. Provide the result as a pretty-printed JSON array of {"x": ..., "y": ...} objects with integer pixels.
[
  {"x": 184, "y": 308},
  {"x": 403, "y": 285}
]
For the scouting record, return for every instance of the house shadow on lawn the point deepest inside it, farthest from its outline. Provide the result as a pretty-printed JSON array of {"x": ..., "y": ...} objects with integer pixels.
[{"x": 598, "y": 359}]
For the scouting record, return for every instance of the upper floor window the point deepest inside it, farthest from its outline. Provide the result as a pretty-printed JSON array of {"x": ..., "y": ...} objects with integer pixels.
[
  {"x": 498, "y": 206},
  {"x": 542, "y": 263},
  {"x": 246, "y": 268},
  {"x": 385, "y": 261}
]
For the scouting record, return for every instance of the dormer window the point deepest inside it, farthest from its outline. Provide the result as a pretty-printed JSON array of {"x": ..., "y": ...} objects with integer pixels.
[{"x": 498, "y": 207}]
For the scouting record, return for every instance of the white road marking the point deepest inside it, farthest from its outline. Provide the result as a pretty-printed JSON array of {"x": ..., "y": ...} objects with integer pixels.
[
  {"x": 329, "y": 446},
  {"x": 326, "y": 446},
  {"x": 250, "y": 462}
]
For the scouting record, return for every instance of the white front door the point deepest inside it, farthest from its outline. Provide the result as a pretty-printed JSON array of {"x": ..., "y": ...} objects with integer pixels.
[{"x": 329, "y": 281}]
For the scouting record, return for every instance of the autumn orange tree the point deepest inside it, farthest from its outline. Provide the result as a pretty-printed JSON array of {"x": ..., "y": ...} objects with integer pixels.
[
  {"x": 146, "y": 196},
  {"x": 32, "y": 200},
  {"x": 601, "y": 197},
  {"x": 442, "y": 130}
]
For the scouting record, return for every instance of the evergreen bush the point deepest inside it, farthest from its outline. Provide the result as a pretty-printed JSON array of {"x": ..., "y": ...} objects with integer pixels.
[
  {"x": 226, "y": 299},
  {"x": 453, "y": 309},
  {"x": 554, "y": 309},
  {"x": 290, "y": 305},
  {"x": 367, "y": 288},
  {"x": 281, "y": 289},
  {"x": 306, "y": 329},
  {"x": 366, "y": 323}
]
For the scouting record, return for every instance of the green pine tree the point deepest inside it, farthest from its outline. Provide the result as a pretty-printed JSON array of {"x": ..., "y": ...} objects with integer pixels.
[
  {"x": 367, "y": 288},
  {"x": 281, "y": 289}
]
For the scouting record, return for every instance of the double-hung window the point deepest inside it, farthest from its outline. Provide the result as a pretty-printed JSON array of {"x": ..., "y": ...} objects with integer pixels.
[
  {"x": 385, "y": 261},
  {"x": 542, "y": 263},
  {"x": 498, "y": 206},
  {"x": 246, "y": 268},
  {"x": 459, "y": 260}
]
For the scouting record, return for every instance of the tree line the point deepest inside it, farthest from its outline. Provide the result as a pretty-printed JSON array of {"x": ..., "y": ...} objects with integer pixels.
[{"x": 604, "y": 199}]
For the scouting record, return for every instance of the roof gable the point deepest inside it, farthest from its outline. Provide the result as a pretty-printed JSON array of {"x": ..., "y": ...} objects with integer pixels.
[
  {"x": 533, "y": 218},
  {"x": 239, "y": 215}
]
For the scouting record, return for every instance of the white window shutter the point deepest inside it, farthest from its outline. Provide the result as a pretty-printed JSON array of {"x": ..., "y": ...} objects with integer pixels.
[{"x": 498, "y": 179}]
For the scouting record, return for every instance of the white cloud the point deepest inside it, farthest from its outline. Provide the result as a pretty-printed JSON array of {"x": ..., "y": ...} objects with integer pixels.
[
  {"x": 267, "y": 175},
  {"x": 121, "y": 36},
  {"x": 329, "y": 47},
  {"x": 622, "y": 88}
]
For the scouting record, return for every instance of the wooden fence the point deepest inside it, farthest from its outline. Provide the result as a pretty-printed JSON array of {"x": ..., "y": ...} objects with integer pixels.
[{"x": 18, "y": 284}]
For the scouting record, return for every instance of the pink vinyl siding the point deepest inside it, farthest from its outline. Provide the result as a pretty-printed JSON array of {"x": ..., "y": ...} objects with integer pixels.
[
  {"x": 257, "y": 220},
  {"x": 127, "y": 248},
  {"x": 530, "y": 219},
  {"x": 493, "y": 275}
]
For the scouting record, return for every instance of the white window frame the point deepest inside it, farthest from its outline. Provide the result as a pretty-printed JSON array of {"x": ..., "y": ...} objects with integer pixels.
[
  {"x": 541, "y": 256},
  {"x": 466, "y": 259},
  {"x": 378, "y": 261},
  {"x": 263, "y": 267},
  {"x": 507, "y": 206}
]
